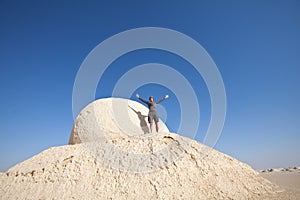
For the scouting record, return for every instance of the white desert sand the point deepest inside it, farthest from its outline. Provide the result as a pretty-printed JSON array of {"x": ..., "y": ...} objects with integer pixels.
[
  {"x": 106, "y": 165},
  {"x": 288, "y": 178}
]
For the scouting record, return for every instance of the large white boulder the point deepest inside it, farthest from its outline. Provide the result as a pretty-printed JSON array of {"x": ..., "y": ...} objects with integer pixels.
[{"x": 113, "y": 115}]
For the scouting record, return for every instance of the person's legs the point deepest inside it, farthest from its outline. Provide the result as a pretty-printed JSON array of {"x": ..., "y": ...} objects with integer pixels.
[
  {"x": 156, "y": 119},
  {"x": 150, "y": 120},
  {"x": 151, "y": 125},
  {"x": 156, "y": 124}
]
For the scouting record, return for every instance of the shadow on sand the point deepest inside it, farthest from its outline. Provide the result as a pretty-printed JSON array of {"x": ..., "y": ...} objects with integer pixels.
[{"x": 143, "y": 122}]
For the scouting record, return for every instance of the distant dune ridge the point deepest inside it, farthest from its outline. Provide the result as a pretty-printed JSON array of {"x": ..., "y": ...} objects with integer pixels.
[{"x": 104, "y": 162}]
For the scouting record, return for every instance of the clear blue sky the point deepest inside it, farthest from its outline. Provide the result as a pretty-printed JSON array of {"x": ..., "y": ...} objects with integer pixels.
[{"x": 255, "y": 44}]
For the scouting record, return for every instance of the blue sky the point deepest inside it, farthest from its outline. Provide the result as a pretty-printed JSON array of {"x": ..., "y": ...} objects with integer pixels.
[{"x": 255, "y": 44}]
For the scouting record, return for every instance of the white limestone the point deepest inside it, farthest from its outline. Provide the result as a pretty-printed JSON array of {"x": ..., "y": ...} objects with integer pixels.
[{"x": 97, "y": 167}]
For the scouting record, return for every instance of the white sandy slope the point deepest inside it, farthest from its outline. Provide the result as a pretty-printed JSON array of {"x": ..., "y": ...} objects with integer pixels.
[
  {"x": 109, "y": 167},
  {"x": 68, "y": 172}
]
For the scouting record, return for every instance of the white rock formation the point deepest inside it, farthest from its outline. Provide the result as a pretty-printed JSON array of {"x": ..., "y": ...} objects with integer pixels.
[
  {"x": 111, "y": 115},
  {"x": 288, "y": 169},
  {"x": 110, "y": 167}
]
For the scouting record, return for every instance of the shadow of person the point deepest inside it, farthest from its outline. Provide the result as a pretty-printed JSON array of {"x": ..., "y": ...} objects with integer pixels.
[{"x": 143, "y": 122}]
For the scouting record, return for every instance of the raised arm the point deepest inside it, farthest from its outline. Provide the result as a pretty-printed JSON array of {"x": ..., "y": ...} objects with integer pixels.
[
  {"x": 167, "y": 96},
  {"x": 138, "y": 96}
]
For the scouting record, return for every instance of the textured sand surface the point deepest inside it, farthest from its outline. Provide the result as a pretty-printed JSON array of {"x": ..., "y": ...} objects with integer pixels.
[
  {"x": 68, "y": 172},
  {"x": 109, "y": 163}
]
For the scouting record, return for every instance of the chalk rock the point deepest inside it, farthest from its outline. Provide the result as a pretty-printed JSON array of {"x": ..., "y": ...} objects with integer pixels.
[
  {"x": 114, "y": 157},
  {"x": 113, "y": 115},
  {"x": 73, "y": 172}
]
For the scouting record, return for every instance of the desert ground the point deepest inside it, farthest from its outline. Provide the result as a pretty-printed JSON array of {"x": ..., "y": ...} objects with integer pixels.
[{"x": 286, "y": 178}]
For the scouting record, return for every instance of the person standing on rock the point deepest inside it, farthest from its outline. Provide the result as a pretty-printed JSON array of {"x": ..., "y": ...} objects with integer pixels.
[{"x": 152, "y": 115}]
